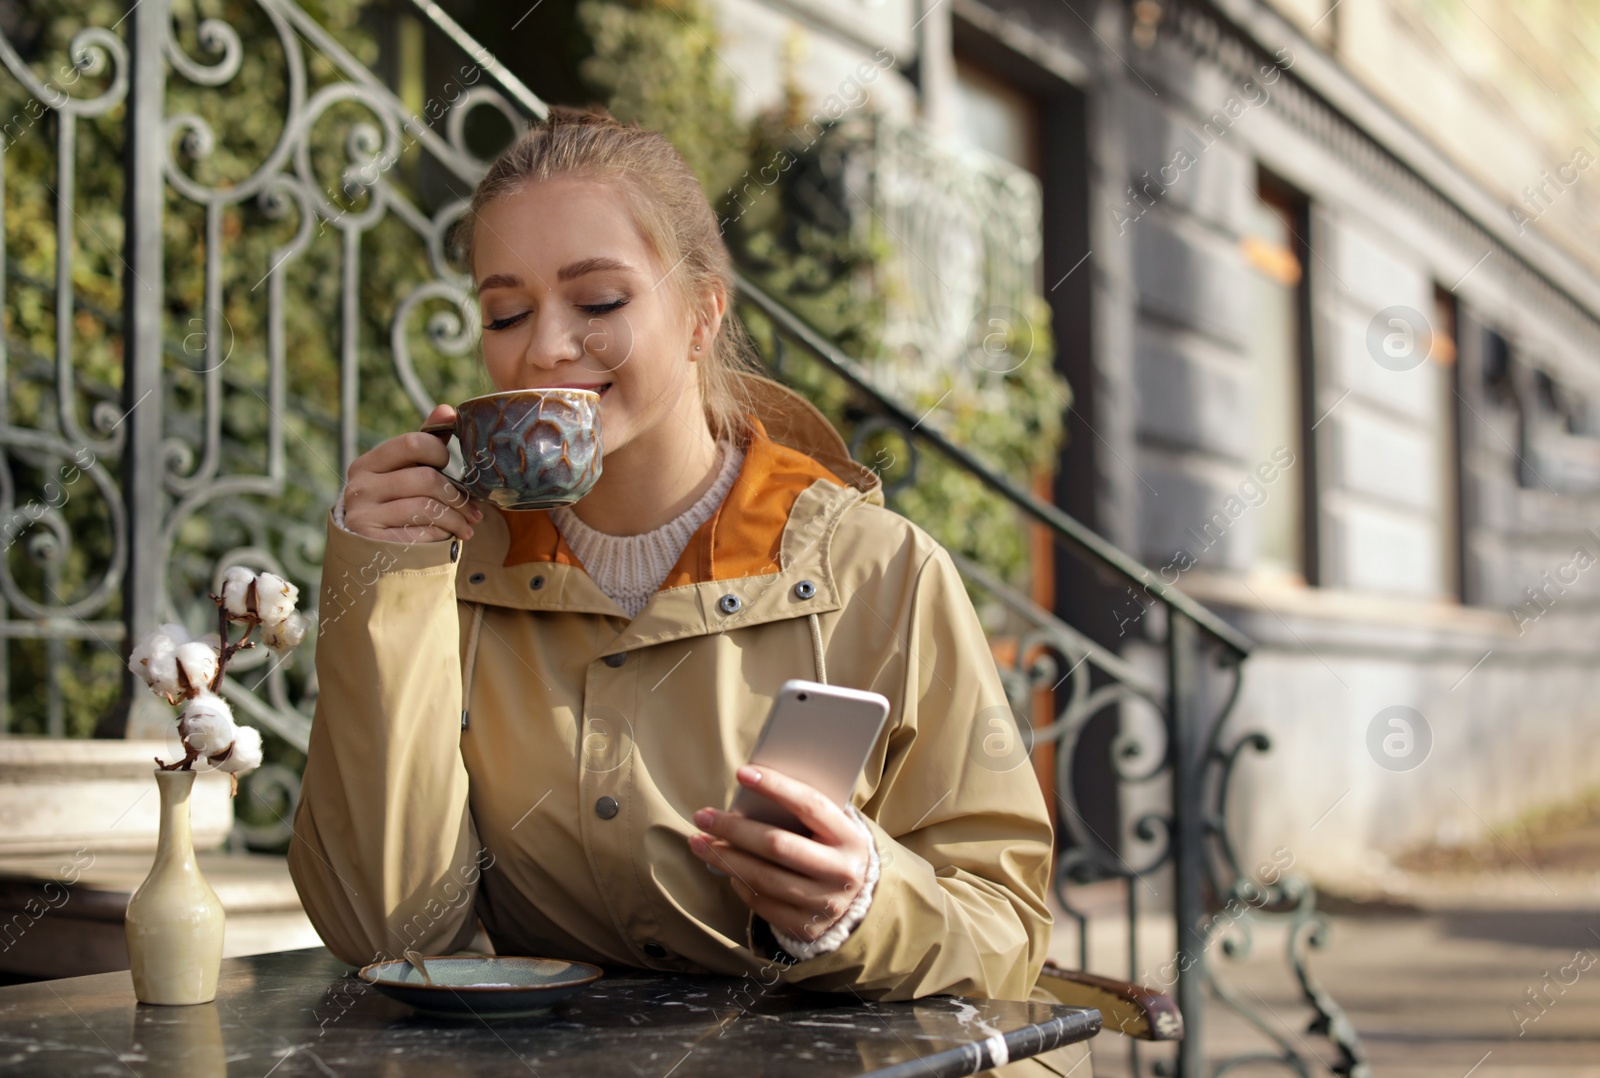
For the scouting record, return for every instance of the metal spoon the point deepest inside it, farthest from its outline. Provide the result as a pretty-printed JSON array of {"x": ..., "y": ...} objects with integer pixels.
[{"x": 416, "y": 960}]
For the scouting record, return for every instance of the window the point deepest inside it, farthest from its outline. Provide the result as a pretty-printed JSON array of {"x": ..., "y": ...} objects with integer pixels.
[
  {"x": 1000, "y": 119},
  {"x": 1278, "y": 345},
  {"x": 996, "y": 117},
  {"x": 1447, "y": 460}
]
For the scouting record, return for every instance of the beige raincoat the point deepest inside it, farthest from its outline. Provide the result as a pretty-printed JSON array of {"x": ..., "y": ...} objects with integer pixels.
[{"x": 495, "y": 739}]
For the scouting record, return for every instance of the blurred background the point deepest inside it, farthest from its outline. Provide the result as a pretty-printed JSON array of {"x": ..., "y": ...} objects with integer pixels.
[{"x": 1242, "y": 351}]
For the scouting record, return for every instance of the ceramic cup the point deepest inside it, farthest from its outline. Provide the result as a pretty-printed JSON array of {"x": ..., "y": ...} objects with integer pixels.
[{"x": 528, "y": 448}]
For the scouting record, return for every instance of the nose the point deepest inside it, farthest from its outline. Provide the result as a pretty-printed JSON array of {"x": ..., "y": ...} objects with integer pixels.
[{"x": 554, "y": 341}]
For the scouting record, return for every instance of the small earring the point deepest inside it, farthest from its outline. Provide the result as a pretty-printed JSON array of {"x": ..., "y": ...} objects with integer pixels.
[{"x": 697, "y": 348}]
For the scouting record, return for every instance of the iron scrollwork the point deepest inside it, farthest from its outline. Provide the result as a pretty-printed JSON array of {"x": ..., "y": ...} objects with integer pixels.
[
  {"x": 223, "y": 500},
  {"x": 1288, "y": 900},
  {"x": 60, "y": 448},
  {"x": 1088, "y": 681}
]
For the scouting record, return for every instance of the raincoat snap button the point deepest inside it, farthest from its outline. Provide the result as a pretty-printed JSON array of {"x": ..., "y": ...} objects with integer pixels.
[
  {"x": 606, "y": 807},
  {"x": 455, "y": 549},
  {"x": 477, "y": 578},
  {"x": 729, "y": 604},
  {"x": 616, "y": 660},
  {"x": 536, "y": 583},
  {"x": 654, "y": 950},
  {"x": 805, "y": 589}
]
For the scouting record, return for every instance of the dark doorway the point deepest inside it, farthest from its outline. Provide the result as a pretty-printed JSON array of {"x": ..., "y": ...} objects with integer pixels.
[{"x": 1037, "y": 120}]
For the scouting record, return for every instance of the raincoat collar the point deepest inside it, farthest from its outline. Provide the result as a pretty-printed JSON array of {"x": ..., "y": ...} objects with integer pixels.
[{"x": 763, "y": 555}]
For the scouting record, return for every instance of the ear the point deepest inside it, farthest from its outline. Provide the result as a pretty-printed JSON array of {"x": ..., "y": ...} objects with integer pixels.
[{"x": 714, "y": 305}]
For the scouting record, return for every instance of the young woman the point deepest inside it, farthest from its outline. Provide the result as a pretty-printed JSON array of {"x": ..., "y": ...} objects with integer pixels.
[{"x": 536, "y": 719}]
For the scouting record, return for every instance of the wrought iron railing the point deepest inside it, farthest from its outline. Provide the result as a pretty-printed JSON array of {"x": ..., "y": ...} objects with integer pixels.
[
  {"x": 217, "y": 447},
  {"x": 165, "y": 446},
  {"x": 1190, "y": 748}
]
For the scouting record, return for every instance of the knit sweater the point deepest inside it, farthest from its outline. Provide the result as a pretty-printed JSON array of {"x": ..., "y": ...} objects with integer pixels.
[{"x": 630, "y": 568}]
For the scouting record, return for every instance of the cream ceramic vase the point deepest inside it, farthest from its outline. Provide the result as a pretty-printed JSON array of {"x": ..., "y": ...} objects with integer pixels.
[{"x": 175, "y": 921}]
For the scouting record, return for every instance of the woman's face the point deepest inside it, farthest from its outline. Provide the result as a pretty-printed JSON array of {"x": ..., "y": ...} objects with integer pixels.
[{"x": 571, "y": 295}]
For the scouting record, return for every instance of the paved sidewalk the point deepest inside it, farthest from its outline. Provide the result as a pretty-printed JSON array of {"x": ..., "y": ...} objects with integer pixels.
[{"x": 1451, "y": 974}]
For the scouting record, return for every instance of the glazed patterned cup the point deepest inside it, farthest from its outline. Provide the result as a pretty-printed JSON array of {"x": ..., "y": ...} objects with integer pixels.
[{"x": 528, "y": 448}]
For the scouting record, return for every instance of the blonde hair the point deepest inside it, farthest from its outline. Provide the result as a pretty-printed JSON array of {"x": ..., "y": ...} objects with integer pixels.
[{"x": 669, "y": 209}]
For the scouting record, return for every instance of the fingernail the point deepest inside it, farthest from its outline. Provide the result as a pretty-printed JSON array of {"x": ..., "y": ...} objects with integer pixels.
[
  {"x": 749, "y": 774},
  {"x": 704, "y": 818},
  {"x": 698, "y": 843},
  {"x": 477, "y": 514}
]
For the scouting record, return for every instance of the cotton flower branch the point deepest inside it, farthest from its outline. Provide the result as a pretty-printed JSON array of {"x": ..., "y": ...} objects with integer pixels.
[{"x": 177, "y": 667}]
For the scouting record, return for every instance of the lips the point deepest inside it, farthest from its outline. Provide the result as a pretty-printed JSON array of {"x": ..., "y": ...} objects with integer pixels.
[{"x": 598, "y": 387}]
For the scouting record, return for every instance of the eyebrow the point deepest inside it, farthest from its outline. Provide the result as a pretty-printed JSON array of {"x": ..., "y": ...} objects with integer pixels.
[{"x": 566, "y": 273}]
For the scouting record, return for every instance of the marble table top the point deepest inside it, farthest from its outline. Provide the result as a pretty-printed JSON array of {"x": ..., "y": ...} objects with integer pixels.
[{"x": 305, "y": 1013}]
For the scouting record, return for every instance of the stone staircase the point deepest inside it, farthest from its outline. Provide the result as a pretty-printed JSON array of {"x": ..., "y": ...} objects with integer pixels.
[{"x": 78, "y": 828}]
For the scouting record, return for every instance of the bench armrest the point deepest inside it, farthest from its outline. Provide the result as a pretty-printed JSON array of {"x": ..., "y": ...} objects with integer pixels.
[{"x": 1130, "y": 1009}]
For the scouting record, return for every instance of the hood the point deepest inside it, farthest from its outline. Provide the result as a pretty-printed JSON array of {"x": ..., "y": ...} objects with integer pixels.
[{"x": 791, "y": 420}]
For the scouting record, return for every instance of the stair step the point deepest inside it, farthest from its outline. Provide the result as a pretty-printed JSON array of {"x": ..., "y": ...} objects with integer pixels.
[
  {"x": 61, "y": 915},
  {"x": 59, "y": 794}
]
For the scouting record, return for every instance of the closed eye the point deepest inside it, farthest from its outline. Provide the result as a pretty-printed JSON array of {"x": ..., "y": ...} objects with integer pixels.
[
  {"x": 506, "y": 322},
  {"x": 593, "y": 308}
]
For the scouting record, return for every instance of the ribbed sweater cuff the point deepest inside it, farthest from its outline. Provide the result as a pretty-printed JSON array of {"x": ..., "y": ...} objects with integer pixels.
[
  {"x": 338, "y": 513},
  {"x": 834, "y": 938}
]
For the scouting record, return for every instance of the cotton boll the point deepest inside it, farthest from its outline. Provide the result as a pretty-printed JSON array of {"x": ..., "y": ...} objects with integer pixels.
[
  {"x": 175, "y": 632},
  {"x": 275, "y": 598},
  {"x": 149, "y": 647},
  {"x": 284, "y": 636},
  {"x": 207, "y": 725},
  {"x": 163, "y": 675},
  {"x": 246, "y": 754},
  {"x": 198, "y": 663},
  {"x": 155, "y": 663},
  {"x": 236, "y": 592}
]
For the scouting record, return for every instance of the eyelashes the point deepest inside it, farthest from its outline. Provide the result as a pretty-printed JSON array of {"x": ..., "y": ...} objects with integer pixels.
[
  {"x": 505, "y": 323},
  {"x": 592, "y": 308}
]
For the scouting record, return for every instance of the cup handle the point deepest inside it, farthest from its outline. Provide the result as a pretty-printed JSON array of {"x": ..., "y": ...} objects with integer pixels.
[
  {"x": 459, "y": 486},
  {"x": 444, "y": 431}
]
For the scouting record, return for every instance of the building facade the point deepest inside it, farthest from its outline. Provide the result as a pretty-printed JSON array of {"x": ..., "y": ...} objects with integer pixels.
[{"x": 1321, "y": 282}]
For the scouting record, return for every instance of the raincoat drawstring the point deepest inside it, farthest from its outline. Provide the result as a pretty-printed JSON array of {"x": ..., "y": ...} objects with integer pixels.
[
  {"x": 472, "y": 660},
  {"x": 816, "y": 648}
]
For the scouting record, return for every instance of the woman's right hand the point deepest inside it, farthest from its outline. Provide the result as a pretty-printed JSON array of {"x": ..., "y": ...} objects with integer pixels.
[{"x": 396, "y": 491}]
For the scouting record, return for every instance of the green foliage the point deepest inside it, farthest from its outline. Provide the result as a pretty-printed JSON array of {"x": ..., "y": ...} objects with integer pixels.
[
  {"x": 247, "y": 116},
  {"x": 786, "y": 225},
  {"x": 53, "y": 498},
  {"x": 656, "y": 62},
  {"x": 1012, "y": 421},
  {"x": 792, "y": 240}
]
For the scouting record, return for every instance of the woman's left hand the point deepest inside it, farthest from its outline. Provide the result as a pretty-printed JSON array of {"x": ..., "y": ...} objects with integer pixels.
[{"x": 797, "y": 884}]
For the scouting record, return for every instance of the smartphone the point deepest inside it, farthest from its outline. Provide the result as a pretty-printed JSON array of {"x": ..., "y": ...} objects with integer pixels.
[{"x": 818, "y": 734}]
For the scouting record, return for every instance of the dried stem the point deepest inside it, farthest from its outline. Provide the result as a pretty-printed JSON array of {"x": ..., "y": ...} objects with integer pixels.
[
  {"x": 225, "y": 650},
  {"x": 185, "y": 764}
]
